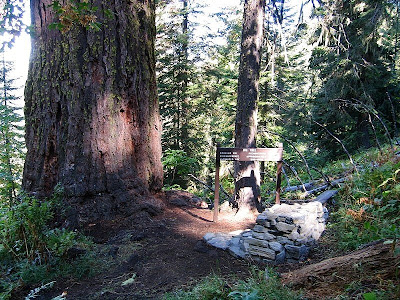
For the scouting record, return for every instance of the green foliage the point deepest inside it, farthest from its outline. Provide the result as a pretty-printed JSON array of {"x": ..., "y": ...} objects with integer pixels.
[
  {"x": 369, "y": 207},
  {"x": 211, "y": 287},
  {"x": 177, "y": 166},
  {"x": 31, "y": 251},
  {"x": 11, "y": 132},
  {"x": 369, "y": 296},
  {"x": 197, "y": 82},
  {"x": 355, "y": 73},
  {"x": 260, "y": 285},
  {"x": 11, "y": 24},
  {"x": 76, "y": 12}
]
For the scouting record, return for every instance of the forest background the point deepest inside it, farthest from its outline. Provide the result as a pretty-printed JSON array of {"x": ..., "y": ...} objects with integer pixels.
[
  {"x": 322, "y": 79},
  {"x": 329, "y": 89}
]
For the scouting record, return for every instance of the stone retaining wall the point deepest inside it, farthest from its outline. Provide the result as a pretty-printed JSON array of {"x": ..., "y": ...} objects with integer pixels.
[
  {"x": 283, "y": 233},
  {"x": 286, "y": 232}
]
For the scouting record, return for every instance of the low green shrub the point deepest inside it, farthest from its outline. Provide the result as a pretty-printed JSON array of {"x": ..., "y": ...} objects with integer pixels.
[
  {"x": 32, "y": 252},
  {"x": 258, "y": 286},
  {"x": 369, "y": 203},
  {"x": 177, "y": 165}
]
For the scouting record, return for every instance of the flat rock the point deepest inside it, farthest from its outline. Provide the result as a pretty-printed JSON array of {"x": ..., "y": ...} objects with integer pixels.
[
  {"x": 236, "y": 232},
  {"x": 263, "y": 252},
  {"x": 284, "y": 227},
  {"x": 263, "y": 236},
  {"x": 296, "y": 252},
  {"x": 284, "y": 240},
  {"x": 257, "y": 242},
  {"x": 237, "y": 251},
  {"x": 280, "y": 257},
  {"x": 247, "y": 233},
  {"x": 259, "y": 228},
  {"x": 218, "y": 240},
  {"x": 276, "y": 246},
  {"x": 209, "y": 236}
]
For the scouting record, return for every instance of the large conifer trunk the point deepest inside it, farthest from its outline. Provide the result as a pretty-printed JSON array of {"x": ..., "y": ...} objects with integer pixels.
[{"x": 92, "y": 119}]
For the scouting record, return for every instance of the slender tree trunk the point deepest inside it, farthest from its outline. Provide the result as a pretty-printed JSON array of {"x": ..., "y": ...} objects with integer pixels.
[
  {"x": 185, "y": 79},
  {"x": 362, "y": 127},
  {"x": 92, "y": 119},
  {"x": 247, "y": 174}
]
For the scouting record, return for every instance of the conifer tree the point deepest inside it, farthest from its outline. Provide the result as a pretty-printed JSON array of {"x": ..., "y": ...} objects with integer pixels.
[
  {"x": 91, "y": 109},
  {"x": 247, "y": 174},
  {"x": 11, "y": 131},
  {"x": 353, "y": 66}
]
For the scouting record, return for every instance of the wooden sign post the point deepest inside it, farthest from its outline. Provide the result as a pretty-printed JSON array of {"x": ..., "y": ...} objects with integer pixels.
[{"x": 247, "y": 154}]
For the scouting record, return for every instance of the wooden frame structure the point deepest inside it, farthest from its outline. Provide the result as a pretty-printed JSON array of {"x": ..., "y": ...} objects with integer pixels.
[{"x": 248, "y": 154}]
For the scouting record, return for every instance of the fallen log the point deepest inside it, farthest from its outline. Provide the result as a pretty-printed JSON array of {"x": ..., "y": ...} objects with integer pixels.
[
  {"x": 314, "y": 191},
  {"x": 305, "y": 186},
  {"x": 325, "y": 196},
  {"x": 330, "y": 277},
  {"x": 321, "y": 188}
]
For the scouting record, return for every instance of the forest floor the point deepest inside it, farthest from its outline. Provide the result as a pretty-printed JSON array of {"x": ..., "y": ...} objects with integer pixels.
[
  {"x": 159, "y": 254},
  {"x": 145, "y": 257}
]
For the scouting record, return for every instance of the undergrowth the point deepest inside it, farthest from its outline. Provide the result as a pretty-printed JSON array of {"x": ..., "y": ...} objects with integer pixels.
[
  {"x": 368, "y": 210},
  {"x": 258, "y": 286},
  {"x": 32, "y": 252},
  {"x": 369, "y": 202}
]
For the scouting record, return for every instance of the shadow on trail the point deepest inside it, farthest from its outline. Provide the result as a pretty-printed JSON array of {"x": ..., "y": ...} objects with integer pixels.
[{"x": 195, "y": 215}]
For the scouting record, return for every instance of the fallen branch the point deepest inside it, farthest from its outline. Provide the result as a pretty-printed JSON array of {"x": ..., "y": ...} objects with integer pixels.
[
  {"x": 304, "y": 187},
  {"x": 314, "y": 191},
  {"x": 295, "y": 149},
  {"x": 326, "y": 178},
  {"x": 286, "y": 177},
  {"x": 321, "y": 188},
  {"x": 329, "y": 277},
  {"x": 211, "y": 188},
  {"x": 340, "y": 142},
  {"x": 325, "y": 196},
  {"x": 294, "y": 172}
]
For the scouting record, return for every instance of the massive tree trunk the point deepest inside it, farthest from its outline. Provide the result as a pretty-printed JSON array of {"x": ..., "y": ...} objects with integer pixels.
[
  {"x": 247, "y": 174},
  {"x": 92, "y": 119}
]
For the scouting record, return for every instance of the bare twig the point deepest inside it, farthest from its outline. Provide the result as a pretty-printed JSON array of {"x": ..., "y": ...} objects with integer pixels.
[
  {"x": 375, "y": 135},
  {"x": 392, "y": 108},
  {"x": 286, "y": 177},
  {"x": 294, "y": 147},
  {"x": 372, "y": 110},
  {"x": 321, "y": 188},
  {"x": 326, "y": 179},
  {"x": 295, "y": 173},
  {"x": 340, "y": 142}
]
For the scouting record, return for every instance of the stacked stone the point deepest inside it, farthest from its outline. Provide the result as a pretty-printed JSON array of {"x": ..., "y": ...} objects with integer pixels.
[{"x": 286, "y": 232}]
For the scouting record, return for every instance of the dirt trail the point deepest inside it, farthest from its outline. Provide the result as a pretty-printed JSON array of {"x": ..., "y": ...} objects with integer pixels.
[{"x": 160, "y": 254}]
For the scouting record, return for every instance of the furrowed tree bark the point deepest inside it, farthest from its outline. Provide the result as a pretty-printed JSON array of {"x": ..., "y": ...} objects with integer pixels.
[
  {"x": 92, "y": 119},
  {"x": 247, "y": 174}
]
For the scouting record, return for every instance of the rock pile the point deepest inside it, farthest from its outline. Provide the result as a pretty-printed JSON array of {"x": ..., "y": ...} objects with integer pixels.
[
  {"x": 283, "y": 233},
  {"x": 286, "y": 232}
]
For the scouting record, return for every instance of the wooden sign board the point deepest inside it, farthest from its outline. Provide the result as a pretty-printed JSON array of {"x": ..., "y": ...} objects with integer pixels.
[{"x": 248, "y": 154}]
